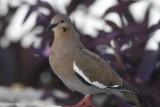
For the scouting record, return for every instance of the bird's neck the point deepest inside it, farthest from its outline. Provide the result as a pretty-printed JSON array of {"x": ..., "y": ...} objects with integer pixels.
[
  {"x": 64, "y": 31},
  {"x": 68, "y": 39},
  {"x": 62, "y": 36}
]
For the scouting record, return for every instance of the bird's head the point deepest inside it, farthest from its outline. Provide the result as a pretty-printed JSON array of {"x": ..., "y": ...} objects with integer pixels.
[{"x": 60, "y": 22}]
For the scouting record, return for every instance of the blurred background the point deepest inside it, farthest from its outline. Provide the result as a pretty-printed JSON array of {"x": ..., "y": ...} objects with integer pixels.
[{"x": 125, "y": 33}]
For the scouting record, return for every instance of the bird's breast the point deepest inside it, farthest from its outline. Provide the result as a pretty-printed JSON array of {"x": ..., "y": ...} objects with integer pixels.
[{"x": 61, "y": 61}]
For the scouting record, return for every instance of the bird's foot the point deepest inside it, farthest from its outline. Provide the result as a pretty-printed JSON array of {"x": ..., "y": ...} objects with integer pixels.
[
  {"x": 85, "y": 102},
  {"x": 89, "y": 105}
]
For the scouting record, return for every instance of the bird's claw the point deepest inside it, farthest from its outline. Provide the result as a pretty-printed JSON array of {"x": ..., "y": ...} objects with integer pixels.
[{"x": 85, "y": 102}]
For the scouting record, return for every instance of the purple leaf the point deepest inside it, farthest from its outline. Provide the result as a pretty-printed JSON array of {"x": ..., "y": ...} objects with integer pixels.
[
  {"x": 104, "y": 39},
  {"x": 147, "y": 65},
  {"x": 154, "y": 93},
  {"x": 146, "y": 17},
  {"x": 46, "y": 51},
  {"x": 120, "y": 8},
  {"x": 36, "y": 6},
  {"x": 74, "y": 4},
  {"x": 112, "y": 24}
]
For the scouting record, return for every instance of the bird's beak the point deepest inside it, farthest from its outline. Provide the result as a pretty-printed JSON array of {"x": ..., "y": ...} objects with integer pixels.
[{"x": 52, "y": 26}]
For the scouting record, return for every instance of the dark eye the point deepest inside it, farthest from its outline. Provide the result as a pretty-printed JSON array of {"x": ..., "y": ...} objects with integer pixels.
[{"x": 62, "y": 21}]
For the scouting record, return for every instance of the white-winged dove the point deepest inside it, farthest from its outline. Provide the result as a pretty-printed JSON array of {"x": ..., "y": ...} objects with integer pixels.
[{"x": 82, "y": 70}]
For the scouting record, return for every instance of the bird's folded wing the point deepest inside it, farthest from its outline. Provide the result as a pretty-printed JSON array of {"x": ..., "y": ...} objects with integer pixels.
[{"x": 95, "y": 71}]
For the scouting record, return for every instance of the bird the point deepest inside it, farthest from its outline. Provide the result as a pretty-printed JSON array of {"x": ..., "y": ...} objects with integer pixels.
[{"x": 82, "y": 70}]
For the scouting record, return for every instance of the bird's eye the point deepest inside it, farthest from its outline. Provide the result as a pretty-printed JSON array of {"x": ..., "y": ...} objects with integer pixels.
[{"x": 62, "y": 21}]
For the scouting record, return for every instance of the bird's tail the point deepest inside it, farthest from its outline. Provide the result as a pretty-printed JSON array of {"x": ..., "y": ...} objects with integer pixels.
[{"x": 129, "y": 97}]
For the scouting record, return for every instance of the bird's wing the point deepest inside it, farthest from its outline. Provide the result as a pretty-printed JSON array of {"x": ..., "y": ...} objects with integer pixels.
[{"x": 95, "y": 71}]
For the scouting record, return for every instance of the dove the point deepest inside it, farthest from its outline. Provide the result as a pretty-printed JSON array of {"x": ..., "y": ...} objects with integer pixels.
[{"x": 82, "y": 70}]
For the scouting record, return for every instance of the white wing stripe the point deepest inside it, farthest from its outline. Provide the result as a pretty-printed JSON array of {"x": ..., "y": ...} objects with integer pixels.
[
  {"x": 80, "y": 72},
  {"x": 114, "y": 86}
]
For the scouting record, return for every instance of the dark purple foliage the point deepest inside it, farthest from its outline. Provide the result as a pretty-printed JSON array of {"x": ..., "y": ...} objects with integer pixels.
[{"x": 74, "y": 4}]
